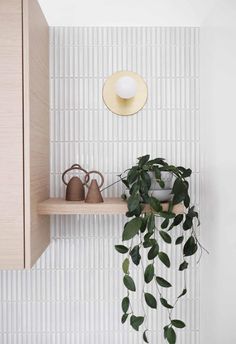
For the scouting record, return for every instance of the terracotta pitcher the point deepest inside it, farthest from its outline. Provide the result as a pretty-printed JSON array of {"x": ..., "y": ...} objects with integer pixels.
[
  {"x": 94, "y": 194},
  {"x": 75, "y": 187}
]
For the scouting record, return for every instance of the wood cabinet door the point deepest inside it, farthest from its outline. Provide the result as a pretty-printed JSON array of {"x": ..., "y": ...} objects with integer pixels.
[
  {"x": 11, "y": 137},
  {"x": 36, "y": 128},
  {"x": 24, "y": 132}
]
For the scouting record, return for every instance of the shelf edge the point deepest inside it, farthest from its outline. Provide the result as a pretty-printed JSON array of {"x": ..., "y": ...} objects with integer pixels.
[{"x": 115, "y": 206}]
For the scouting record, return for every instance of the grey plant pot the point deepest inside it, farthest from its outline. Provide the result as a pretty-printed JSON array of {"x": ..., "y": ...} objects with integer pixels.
[
  {"x": 161, "y": 195},
  {"x": 167, "y": 177}
]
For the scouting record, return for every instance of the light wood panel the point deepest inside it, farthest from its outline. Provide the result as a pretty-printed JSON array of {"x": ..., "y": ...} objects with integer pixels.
[
  {"x": 11, "y": 139},
  {"x": 36, "y": 128},
  {"x": 59, "y": 206}
]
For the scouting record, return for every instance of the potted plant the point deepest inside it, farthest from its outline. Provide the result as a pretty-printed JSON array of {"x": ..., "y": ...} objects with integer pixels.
[{"x": 142, "y": 225}]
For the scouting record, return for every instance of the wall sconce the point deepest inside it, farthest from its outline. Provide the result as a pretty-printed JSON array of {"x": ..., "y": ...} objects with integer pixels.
[{"x": 125, "y": 93}]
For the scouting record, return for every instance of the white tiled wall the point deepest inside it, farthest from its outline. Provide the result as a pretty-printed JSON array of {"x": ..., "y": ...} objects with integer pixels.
[{"x": 72, "y": 295}]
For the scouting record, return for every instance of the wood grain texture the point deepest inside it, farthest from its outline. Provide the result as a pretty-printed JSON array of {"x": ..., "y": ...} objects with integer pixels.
[
  {"x": 11, "y": 138},
  {"x": 36, "y": 128},
  {"x": 59, "y": 206}
]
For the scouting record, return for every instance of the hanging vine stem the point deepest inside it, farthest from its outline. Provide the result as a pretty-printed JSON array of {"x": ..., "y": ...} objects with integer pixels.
[
  {"x": 117, "y": 181},
  {"x": 138, "y": 181},
  {"x": 202, "y": 248},
  {"x": 157, "y": 286},
  {"x": 143, "y": 291}
]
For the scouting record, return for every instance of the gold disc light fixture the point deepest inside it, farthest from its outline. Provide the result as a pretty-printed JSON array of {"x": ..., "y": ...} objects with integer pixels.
[{"x": 125, "y": 93}]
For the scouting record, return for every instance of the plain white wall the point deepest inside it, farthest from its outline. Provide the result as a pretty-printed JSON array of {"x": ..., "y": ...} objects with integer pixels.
[
  {"x": 126, "y": 12},
  {"x": 218, "y": 110}
]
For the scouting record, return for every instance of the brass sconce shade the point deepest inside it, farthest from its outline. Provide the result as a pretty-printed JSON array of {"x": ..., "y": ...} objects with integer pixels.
[{"x": 125, "y": 93}]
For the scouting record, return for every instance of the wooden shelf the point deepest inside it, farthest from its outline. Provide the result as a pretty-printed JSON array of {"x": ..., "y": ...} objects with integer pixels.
[{"x": 59, "y": 206}]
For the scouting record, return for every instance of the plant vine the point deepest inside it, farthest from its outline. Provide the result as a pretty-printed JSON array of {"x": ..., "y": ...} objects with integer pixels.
[{"x": 142, "y": 223}]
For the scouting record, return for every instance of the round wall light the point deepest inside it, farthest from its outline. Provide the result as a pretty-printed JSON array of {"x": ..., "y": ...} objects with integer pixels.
[
  {"x": 126, "y": 87},
  {"x": 125, "y": 93}
]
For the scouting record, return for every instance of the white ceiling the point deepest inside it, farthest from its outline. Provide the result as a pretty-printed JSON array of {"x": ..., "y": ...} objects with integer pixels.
[{"x": 127, "y": 12}]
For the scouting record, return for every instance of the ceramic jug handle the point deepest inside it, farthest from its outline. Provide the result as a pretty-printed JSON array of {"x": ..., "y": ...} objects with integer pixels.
[
  {"x": 74, "y": 167},
  {"x": 86, "y": 178}
]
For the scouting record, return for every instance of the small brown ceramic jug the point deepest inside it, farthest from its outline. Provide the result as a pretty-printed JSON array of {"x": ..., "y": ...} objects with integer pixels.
[
  {"x": 94, "y": 194},
  {"x": 75, "y": 188}
]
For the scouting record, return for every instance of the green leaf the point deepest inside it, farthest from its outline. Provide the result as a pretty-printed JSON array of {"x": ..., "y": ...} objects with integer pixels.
[
  {"x": 192, "y": 213},
  {"x": 171, "y": 335},
  {"x": 132, "y": 175},
  {"x": 125, "y": 304},
  {"x": 165, "y": 236},
  {"x": 135, "y": 322},
  {"x": 125, "y": 266},
  {"x": 157, "y": 172},
  {"x": 165, "y": 223},
  {"x": 173, "y": 169},
  {"x": 153, "y": 252},
  {"x": 157, "y": 161},
  {"x": 183, "y": 266},
  {"x": 186, "y": 172},
  {"x": 178, "y": 323},
  {"x": 149, "y": 273},
  {"x": 186, "y": 201},
  {"x": 161, "y": 183},
  {"x": 130, "y": 214},
  {"x": 135, "y": 255},
  {"x": 124, "y": 318},
  {"x": 178, "y": 219},
  {"x": 133, "y": 202},
  {"x": 188, "y": 223},
  {"x": 178, "y": 198},
  {"x": 179, "y": 190},
  {"x": 137, "y": 212},
  {"x": 183, "y": 293},
  {"x": 134, "y": 188},
  {"x": 179, "y": 187},
  {"x": 144, "y": 224},
  {"x": 162, "y": 282},
  {"x": 165, "y": 330},
  {"x": 164, "y": 259},
  {"x": 155, "y": 204},
  {"x": 167, "y": 214},
  {"x": 129, "y": 283},
  {"x": 143, "y": 160},
  {"x": 150, "y": 300},
  {"x": 179, "y": 240},
  {"x": 121, "y": 249},
  {"x": 165, "y": 303},
  {"x": 145, "y": 337},
  {"x": 151, "y": 223},
  {"x": 190, "y": 247},
  {"x": 146, "y": 180},
  {"x": 131, "y": 228},
  {"x": 149, "y": 243},
  {"x": 148, "y": 235}
]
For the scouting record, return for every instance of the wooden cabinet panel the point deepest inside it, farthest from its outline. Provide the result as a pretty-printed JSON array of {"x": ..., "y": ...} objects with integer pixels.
[
  {"x": 11, "y": 137},
  {"x": 24, "y": 132},
  {"x": 36, "y": 128}
]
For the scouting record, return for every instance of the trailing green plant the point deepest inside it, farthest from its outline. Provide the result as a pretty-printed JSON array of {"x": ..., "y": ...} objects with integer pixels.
[{"x": 142, "y": 225}]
